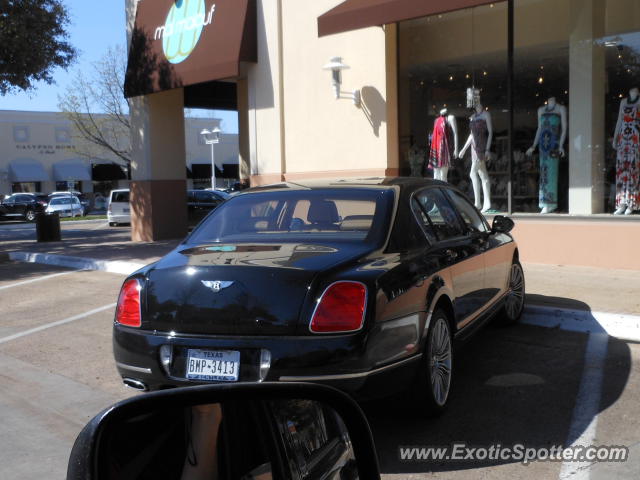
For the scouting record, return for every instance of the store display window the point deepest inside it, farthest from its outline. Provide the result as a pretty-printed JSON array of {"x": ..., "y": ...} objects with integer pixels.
[{"x": 547, "y": 124}]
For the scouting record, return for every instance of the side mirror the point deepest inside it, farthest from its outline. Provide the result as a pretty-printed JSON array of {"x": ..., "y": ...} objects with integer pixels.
[
  {"x": 502, "y": 224},
  {"x": 240, "y": 431}
]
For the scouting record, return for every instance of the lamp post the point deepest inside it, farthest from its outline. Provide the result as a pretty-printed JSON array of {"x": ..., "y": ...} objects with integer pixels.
[{"x": 211, "y": 137}]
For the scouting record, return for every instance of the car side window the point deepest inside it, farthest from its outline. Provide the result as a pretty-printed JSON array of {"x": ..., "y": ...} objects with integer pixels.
[
  {"x": 469, "y": 214},
  {"x": 23, "y": 198},
  {"x": 9, "y": 200},
  {"x": 437, "y": 216}
]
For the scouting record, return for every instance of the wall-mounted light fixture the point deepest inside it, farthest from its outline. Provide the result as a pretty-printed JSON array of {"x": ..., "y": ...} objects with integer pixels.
[{"x": 336, "y": 66}]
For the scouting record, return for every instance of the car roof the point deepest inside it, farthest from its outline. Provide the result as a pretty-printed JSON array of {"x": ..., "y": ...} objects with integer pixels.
[{"x": 404, "y": 183}]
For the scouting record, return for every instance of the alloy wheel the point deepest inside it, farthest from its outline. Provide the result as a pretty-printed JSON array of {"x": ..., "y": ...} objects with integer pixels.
[
  {"x": 515, "y": 296},
  {"x": 30, "y": 216},
  {"x": 440, "y": 361}
]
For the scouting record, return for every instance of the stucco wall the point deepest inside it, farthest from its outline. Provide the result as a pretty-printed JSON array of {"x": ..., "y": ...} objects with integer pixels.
[{"x": 322, "y": 133}]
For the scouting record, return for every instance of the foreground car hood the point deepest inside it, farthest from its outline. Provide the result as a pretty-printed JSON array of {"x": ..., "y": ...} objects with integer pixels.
[{"x": 237, "y": 289}]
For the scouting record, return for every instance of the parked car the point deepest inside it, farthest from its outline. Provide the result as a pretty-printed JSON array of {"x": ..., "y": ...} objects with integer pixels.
[
  {"x": 359, "y": 284},
  {"x": 65, "y": 206},
  {"x": 86, "y": 204},
  {"x": 201, "y": 202},
  {"x": 23, "y": 205},
  {"x": 118, "y": 208}
]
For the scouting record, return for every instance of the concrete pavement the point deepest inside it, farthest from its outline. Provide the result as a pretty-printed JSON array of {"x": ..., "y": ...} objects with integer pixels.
[{"x": 526, "y": 384}]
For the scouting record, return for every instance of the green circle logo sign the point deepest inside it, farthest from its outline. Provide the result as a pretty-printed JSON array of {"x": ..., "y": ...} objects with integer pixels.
[{"x": 183, "y": 27}]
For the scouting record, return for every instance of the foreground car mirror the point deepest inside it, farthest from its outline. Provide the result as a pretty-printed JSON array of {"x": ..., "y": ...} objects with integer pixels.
[
  {"x": 240, "y": 431},
  {"x": 502, "y": 224}
]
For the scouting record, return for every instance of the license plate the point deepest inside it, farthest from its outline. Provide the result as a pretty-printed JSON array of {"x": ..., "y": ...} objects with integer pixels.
[
  {"x": 126, "y": 210},
  {"x": 216, "y": 366}
]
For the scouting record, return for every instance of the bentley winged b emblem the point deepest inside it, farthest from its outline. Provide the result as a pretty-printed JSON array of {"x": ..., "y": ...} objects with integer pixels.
[{"x": 216, "y": 285}]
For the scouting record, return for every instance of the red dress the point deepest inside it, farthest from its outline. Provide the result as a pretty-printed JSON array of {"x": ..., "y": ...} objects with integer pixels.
[{"x": 441, "y": 154}]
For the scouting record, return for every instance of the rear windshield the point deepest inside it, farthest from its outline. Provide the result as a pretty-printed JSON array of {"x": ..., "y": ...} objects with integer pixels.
[
  {"x": 63, "y": 201},
  {"x": 120, "y": 197},
  {"x": 300, "y": 215}
]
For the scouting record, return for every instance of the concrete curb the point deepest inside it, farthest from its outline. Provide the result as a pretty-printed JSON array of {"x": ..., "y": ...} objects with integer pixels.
[{"x": 79, "y": 263}]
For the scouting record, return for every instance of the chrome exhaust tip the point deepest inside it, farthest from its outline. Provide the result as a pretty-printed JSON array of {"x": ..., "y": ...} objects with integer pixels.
[{"x": 135, "y": 384}]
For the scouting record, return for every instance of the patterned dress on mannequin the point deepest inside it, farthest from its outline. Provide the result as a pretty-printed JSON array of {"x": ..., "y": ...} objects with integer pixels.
[
  {"x": 441, "y": 153},
  {"x": 628, "y": 157},
  {"x": 480, "y": 132},
  {"x": 550, "y": 128}
]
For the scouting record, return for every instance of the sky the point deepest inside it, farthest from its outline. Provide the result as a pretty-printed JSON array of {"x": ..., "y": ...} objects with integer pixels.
[{"x": 95, "y": 26}]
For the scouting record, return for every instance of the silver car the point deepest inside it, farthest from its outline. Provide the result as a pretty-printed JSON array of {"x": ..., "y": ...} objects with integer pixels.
[{"x": 68, "y": 206}]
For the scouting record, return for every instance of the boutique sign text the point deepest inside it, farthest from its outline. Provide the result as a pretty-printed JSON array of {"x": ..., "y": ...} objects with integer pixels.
[{"x": 182, "y": 29}]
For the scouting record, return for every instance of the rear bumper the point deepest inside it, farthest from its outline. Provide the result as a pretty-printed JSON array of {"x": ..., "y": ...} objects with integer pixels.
[
  {"x": 125, "y": 218},
  {"x": 339, "y": 361}
]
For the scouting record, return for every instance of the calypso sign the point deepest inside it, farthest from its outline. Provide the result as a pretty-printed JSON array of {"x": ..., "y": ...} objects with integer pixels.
[{"x": 182, "y": 29}]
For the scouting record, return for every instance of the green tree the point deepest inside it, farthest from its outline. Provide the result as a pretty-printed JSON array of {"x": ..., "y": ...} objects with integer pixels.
[{"x": 33, "y": 42}]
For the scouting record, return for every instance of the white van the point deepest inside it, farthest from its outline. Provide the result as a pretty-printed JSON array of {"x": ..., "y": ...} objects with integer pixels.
[{"x": 119, "y": 210}]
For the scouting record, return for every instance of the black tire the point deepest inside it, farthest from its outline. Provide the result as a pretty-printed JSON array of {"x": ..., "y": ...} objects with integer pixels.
[
  {"x": 436, "y": 371},
  {"x": 514, "y": 299},
  {"x": 30, "y": 215}
]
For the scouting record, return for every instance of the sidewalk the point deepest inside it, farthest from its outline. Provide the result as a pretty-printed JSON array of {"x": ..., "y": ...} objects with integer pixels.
[{"x": 91, "y": 244}]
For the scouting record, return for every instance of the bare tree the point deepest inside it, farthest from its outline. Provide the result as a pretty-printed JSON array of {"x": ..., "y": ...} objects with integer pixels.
[{"x": 96, "y": 106}]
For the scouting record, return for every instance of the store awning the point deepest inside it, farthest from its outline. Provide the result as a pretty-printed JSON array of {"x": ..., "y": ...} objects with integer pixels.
[
  {"x": 230, "y": 170},
  {"x": 355, "y": 14},
  {"x": 67, "y": 171},
  {"x": 27, "y": 171},
  {"x": 176, "y": 44},
  {"x": 104, "y": 172},
  {"x": 203, "y": 170}
]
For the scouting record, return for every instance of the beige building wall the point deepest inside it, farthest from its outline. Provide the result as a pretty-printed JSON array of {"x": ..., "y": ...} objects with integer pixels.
[
  {"x": 51, "y": 139},
  {"x": 295, "y": 126},
  {"x": 262, "y": 95},
  {"x": 325, "y": 136}
]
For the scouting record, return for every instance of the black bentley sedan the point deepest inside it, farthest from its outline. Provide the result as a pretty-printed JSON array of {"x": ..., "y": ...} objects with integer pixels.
[{"x": 360, "y": 284}]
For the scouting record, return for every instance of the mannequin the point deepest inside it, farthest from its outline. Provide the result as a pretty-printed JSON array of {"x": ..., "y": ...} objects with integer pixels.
[
  {"x": 626, "y": 142},
  {"x": 444, "y": 145},
  {"x": 480, "y": 140},
  {"x": 550, "y": 137}
]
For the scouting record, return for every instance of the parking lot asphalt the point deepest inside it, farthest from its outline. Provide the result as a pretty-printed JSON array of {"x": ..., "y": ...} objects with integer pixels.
[{"x": 521, "y": 385}]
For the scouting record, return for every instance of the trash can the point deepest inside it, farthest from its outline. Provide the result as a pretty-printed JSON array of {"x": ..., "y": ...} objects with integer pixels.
[{"x": 48, "y": 227}]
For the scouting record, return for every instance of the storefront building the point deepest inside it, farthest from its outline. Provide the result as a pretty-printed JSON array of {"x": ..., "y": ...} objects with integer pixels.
[
  {"x": 531, "y": 107},
  {"x": 41, "y": 152}
]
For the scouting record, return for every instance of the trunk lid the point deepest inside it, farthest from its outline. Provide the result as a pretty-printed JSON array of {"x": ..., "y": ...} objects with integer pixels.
[{"x": 237, "y": 289}]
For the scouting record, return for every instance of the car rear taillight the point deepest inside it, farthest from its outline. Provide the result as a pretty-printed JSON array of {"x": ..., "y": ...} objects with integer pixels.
[
  {"x": 109, "y": 210},
  {"x": 340, "y": 308},
  {"x": 128, "y": 309}
]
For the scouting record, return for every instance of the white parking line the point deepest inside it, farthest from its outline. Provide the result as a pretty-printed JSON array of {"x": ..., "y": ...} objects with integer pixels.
[
  {"x": 45, "y": 277},
  {"x": 584, "y": 420},
  {"x": 55, "y": 324}
]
